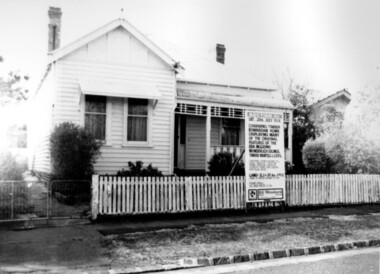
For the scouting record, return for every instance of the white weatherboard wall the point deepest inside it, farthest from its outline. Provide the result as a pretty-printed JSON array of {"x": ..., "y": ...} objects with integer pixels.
[
  {"x": 40, "y": 126},
  {"x": 117, "y": 56}
]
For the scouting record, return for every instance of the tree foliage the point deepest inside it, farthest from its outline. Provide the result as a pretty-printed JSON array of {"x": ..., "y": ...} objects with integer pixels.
[
  {"x": 11, "y": 87},
  {"x": 11, "y": 169},
  {"x": 352, "y": 140},
  {"x": 73, "y": 152},
  {"x": 362, "y": 131},
  {"x": 315, "y": 157}
]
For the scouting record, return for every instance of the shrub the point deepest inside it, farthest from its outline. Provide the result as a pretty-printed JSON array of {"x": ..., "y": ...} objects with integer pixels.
[
  {"x": 289, "y": 168},
  {"x": 138, "y": 170},
  {"x": 315, "y": 157},
  {"x": 11, "y": 169},
  {"x": 221, "y": 165},
  {"x": 73, "y": 152}
]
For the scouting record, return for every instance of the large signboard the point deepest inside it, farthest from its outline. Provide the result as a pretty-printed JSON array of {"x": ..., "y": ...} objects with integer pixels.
[{"x": 264, "y": 157}]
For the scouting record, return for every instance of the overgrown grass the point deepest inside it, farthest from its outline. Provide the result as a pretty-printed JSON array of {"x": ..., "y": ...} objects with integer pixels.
[{"x": 169, "y": 245}]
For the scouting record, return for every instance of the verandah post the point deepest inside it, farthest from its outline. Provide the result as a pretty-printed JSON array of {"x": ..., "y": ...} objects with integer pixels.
[
  {"x": 94, "y": 197},
  {"x": 208, "y": 137}
]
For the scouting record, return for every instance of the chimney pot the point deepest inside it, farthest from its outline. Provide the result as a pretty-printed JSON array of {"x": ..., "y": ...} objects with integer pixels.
[
  {"x": 54, "y": 38},
  {"x": 220, "y": 53}
]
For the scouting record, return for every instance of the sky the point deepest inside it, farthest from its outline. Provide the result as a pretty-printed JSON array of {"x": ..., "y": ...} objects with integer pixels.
[{"x": 326, "y": 44}]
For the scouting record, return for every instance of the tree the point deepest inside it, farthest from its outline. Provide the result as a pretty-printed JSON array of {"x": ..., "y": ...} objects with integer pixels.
[
  {"x": 361, "y": 128},
  {"x": 303, "y": 128},
  {"x": 11, "y": 88},
  {"x": 352, "y": 140}
]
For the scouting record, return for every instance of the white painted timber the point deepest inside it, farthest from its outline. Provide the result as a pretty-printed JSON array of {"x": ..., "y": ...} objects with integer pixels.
[
  {"x": 179, "y": 194},
  {"x": 40, "y": 125},
  {"x": 90, "y": 62}
]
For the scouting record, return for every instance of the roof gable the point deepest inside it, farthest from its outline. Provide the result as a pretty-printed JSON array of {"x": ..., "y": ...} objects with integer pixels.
[
  {"x": 342, "y": 93},
  {"x": 66, "y": 50}
]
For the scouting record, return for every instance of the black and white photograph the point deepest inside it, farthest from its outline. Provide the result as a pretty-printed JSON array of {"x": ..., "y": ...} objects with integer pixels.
[{"x": 190, "y": 136}]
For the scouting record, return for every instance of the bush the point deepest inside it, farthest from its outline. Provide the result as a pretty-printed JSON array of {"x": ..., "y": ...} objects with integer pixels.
[
  {"x": 289, "y": 168},
  {"x": 73, "y": 152},
  {"x": 11, "y": 169},
  {"x": 315, "y": 157},
  {"x": 221, "y": 165},
  {"x": 138, "y": 170}
]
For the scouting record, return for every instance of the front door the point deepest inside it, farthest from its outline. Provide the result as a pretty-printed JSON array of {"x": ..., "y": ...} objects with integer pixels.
[{"x": 195, "y": 143}]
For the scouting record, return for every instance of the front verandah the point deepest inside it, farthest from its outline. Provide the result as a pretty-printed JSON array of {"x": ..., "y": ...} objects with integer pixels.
[
  {"x": 193, "y": 148},
  {"x": 203, "y": 130}
]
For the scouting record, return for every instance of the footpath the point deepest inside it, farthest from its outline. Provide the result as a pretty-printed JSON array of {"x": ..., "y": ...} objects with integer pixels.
[{"x": 79, "y": 246}]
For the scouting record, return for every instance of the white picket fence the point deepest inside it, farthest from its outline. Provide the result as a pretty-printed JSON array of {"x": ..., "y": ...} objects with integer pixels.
[
  {"x": 133, "y": 195},
  {"x": 323, "y": 189}
]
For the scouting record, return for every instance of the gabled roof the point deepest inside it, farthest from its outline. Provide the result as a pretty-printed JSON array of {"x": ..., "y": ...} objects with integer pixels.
[
  {"x": 333, "y": 96},
  {"x": 63, "y": 51}
]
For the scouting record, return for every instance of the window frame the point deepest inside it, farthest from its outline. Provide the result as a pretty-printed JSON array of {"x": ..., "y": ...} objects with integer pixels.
[
  {"x": 108, "y": 113},
  {"x": 148, "y": 142}
]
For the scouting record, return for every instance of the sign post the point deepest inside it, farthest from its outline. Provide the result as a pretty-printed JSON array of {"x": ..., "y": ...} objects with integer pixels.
[{"x": 264, "y": 155}]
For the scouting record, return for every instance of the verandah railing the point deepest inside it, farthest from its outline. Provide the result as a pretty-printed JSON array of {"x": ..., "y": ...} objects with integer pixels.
[{"x": 133, "y": 195}]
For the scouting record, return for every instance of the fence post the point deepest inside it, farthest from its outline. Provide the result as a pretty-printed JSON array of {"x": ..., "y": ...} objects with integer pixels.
[{"x": 94, "y": 197}]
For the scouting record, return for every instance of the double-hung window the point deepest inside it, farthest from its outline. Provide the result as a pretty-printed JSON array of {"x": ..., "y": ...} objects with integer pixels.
[
  {"x": 137, "y": 120},
  {"x": 95, "y": 116}
]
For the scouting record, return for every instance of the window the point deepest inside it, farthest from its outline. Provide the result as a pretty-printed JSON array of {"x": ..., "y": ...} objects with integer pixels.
[
  {"x": 95, "y": 116},
  {"x": 230, "y": 131},
  {"x": 137, "y": 121}
]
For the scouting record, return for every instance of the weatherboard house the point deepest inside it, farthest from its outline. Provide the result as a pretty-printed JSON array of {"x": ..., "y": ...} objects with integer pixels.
[
  {"x": 340, "y": 100},
  {"x": 144, "y": 104}
]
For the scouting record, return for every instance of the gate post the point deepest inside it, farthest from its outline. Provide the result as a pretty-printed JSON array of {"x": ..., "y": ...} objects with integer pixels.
[{"x": 94, "y": 197}]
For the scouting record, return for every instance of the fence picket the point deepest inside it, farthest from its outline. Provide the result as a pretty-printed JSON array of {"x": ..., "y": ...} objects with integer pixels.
[
  {"x": 200, "y": 191},
  {"x": 133, "y": 195},
  {"x": 221, "y": 194},
  {"x": 181, "y": 194},
  {"x": 101, "y": 195},
  {"x": 118, "y": 195}
]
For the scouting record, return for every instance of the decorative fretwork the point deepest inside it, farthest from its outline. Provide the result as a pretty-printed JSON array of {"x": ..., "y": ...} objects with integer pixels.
[
  {"x": 191, "y": 109},
  {"x": 227, "y": 112}
]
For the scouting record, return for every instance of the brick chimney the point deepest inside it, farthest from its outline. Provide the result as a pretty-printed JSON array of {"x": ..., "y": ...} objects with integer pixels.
[
  {"x": 54, "y": 28},
  {"x": 220, "y": 52}
]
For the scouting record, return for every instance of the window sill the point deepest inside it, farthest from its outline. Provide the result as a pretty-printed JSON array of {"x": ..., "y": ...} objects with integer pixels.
[{"x": 138, "y": 145}]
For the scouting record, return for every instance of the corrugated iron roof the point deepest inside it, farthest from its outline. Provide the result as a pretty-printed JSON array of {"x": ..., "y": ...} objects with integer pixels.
[{"x": 233, "y": 100}]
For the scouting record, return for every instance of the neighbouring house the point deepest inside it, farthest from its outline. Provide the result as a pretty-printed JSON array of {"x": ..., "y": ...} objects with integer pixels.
[
  {"x": 339, "y": 100},
  {"x": 144, "y": 104}
]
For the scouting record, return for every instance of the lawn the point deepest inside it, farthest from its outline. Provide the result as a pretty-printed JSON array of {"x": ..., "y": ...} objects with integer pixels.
[{"x": 168, "y": 245}]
